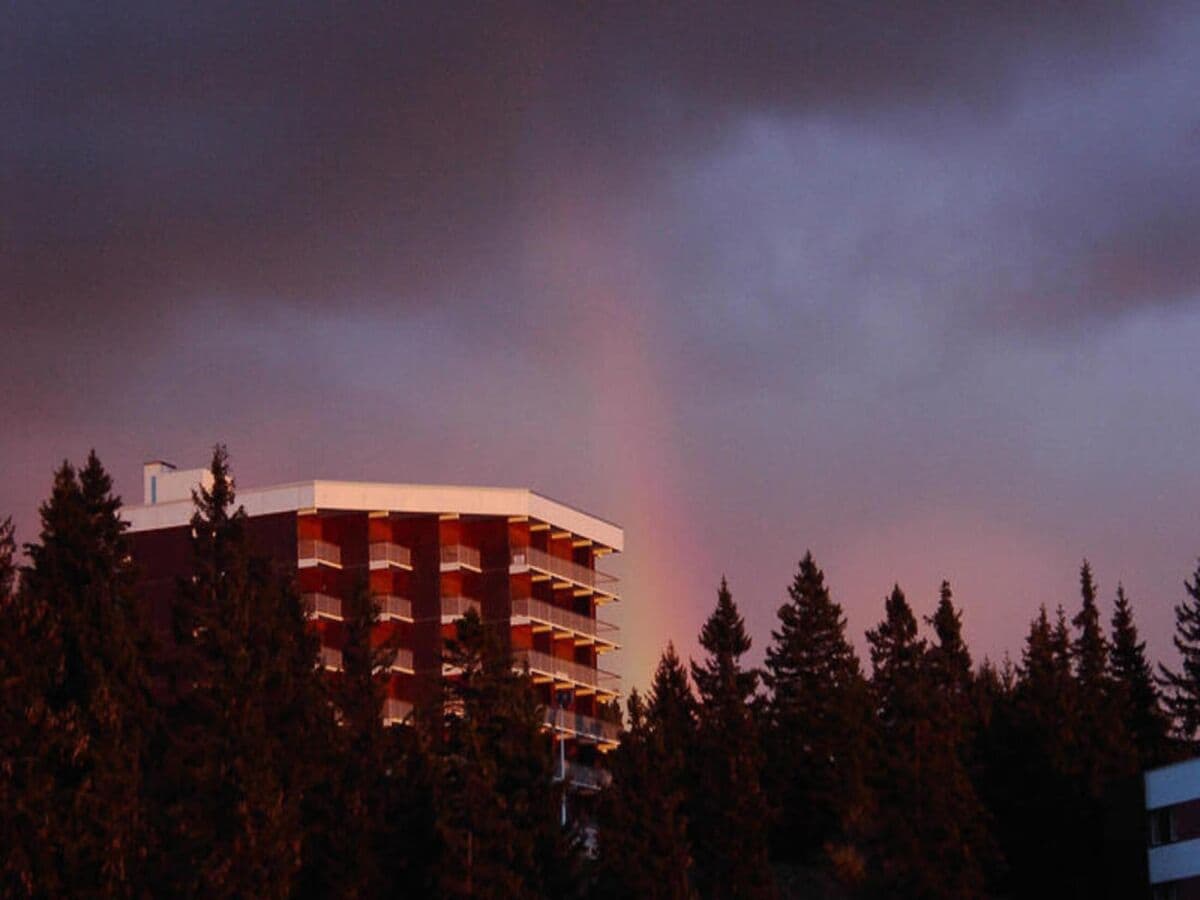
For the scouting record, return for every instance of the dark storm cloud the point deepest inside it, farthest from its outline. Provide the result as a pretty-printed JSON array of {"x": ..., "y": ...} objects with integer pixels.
[{"x": 381, "y": 153}]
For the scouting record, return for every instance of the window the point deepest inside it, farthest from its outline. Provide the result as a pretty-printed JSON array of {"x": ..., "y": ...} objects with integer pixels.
[{"x": 1162, "y": 826}]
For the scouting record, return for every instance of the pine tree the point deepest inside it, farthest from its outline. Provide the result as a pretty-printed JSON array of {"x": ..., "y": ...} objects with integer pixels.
[
  {"x": 498, "y": 804},
  {"x": 1182, "y": 688},
  {"x": 671, "y": 708},
  {"x": 934, "y": 840},
  {"x": 1104, "y": 750},
  {"x": 85, "y": 696},
  {"x": 1034, "y": 772},
  {"x": 643, "y": 849},
  {"x": 950, "y": 660},
  {"x": 28, "y": 643},
  {"x": 819, "y": 726},
  {"x": 346, "y": 818},
  {"x": 8, "y": 562},
  {"x": 1137, "y": 693},
  {"x": 729, "y": 824},
  {"x": 249, "y": 714}
]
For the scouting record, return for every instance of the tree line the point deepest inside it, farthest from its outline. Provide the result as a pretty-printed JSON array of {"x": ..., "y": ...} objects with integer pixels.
[{"x": 220, "y": 760}]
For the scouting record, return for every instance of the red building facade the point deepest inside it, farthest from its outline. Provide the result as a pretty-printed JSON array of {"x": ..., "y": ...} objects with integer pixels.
[{"x": 427, "y": 553}]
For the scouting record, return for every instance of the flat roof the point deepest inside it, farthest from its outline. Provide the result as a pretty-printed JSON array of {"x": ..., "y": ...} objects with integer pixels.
[{"x": 365, "y": 496}]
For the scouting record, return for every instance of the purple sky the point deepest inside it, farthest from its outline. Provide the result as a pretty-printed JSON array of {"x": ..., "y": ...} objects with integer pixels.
[{"x": 917, "y": 288}]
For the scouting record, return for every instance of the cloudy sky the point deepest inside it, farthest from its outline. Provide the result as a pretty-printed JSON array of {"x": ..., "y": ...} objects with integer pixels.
[{"x": 914, "y": 285}]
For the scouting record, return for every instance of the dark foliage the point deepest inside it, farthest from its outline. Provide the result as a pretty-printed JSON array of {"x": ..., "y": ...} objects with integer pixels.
[
  {"x": 729, "y": 811},
  {"x": 642, "y": 837},
  {"x": 76, "y": 699},
  {"x": 226, "y": 762},
  {"x": 818, "y": 730}
]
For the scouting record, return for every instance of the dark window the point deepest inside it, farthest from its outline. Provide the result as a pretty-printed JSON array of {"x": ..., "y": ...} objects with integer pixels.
[{"x": 1162, "y": 826}]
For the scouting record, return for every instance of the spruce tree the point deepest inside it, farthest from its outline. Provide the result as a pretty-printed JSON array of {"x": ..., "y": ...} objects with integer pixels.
[
  {"x": 249, "y": 714},
  {"x": 1137, "y": 693},
  {"x": 671, "y": 716},
  {"x": 83, "y": 689},
  {"x": 819, "y": 727},
  {"x": 8, "y": 562},
  {"x": 641, "y": 834},
  {"x": 498, "y": 801},
  {"x": 950, "y": 660},
  {"x": 1036, "y": 803},
  {"x": 729, "y": 823},
  {"x": 934, "y": 840},
  {"x": 1182, "y": 687},
  {"x": 346, "y": 818}
]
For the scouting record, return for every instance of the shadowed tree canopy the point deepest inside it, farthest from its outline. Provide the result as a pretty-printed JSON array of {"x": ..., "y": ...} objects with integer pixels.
[
  {"x": 730, "y": 811},
  {"x": 1182, "y": 686},
  {"x": 819, "y": 725},
  {"x": 643, "y": 848},
  {"x": 80, "y": 691}
]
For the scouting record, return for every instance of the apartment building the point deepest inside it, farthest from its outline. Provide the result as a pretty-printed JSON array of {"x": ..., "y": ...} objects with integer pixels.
[
  {"x": 1173, "y": 808},
  {"x": 428, "y": 553}
]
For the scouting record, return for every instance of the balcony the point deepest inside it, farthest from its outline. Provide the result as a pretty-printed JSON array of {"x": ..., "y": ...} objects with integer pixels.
[
  {"x": 460, "y": 556},
  {"x": 393, "y": 607},
  {"x": 543, "y": 666},
  {"x": 403, "y": 661},
  {"x": 396, "y": 711},
  {"x": 581, "y": 726},
  {"x": 384, "y": 555},
  {"x": 593, "y": 581},
  {"x": 319, "y": 553},
  {"x": 322, "y": 606},
  {"x": 587, "y": 778},
  {"x": 456, "y": 607},
  {"x": 586, "y": 629},
  {"x": 331, "y": 658}
]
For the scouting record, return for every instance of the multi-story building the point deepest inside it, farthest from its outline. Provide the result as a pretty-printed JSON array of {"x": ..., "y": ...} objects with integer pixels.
[
  {"x": 1173, "y": 807},
  {"x": 427, "y": 553}
]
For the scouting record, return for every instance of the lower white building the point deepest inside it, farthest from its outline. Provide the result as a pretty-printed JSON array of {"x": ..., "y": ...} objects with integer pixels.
[{"x": 1173, "y": 808}]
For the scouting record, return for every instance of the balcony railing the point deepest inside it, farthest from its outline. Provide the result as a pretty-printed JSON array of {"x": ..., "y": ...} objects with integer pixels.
[
  {"x": 331, "y": 658},
  {"x": 313, "y": 553},
  {"x": 567, "y": 670},
  {"x": 567, "y": 619},
  {"x": 588, "y": 778},
  {"x": 564, "y": 569},
  {"x": 403, "y": 661},
  {"x": 323, "y": 606},
  {"x": 583, "y": 726},
  {"x": 456, "y": 556},
  {"x": 456, "y": 607},
  {"x": 385, "y": 553},
  {"x": 396, "y": 711},
  {"x": 392, "y": 606}
]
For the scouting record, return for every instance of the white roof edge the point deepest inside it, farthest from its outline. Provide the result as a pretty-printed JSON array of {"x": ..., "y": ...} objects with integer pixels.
[{"x": 364, "y": 496}]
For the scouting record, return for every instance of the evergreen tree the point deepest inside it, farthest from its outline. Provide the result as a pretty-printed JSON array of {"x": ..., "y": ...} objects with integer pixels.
[
  {"x": 932, "y": 842},
  {"x": 499, "y": 803},
  {"x": 1036, "y": 803},
  {"x": 249, "y": 714},
  {"x": 1137, "y": 693},
  {"x": 1182, "y": 688},
  {"x": 671, "y": 712},
  {"x": 950, "y": 660},
  {"x": 79, "y": 699},
  {"x": 28, "y": 641},
  {"x": 643, "y": 849},
  {"x": 729, "y": 828},
  {"x": 346, "y": 818},
  {"x": 8, "y": 562},
  {"x": 1104, "y": 751},
  {"x": 819, "y": 727}
]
